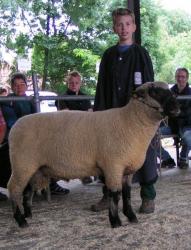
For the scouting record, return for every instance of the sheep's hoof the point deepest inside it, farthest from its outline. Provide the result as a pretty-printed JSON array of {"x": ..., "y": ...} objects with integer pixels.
[
  {"x": 133, "y": 219},
  {"x": 130, "y": 215},
  {"x": 115, "y": 222},
  {"x": 28, "y": 213},
  {"x": 24, "y": 224},
  {"x": 21, "y": 220}
]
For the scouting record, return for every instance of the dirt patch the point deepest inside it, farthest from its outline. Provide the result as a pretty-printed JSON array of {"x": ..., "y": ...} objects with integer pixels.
[{"x": 67, "y": 222}]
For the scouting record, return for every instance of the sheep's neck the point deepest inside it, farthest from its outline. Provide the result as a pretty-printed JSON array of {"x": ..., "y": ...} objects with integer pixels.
[{"x": 145, "y": 119}]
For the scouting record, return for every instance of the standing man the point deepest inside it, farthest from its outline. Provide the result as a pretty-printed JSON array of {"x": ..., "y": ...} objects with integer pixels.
[{"x": 123, "y": 68}]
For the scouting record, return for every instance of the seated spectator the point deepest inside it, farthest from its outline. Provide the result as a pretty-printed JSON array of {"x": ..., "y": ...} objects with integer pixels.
[
  {"x": 2, "y": 135},
  {"x": 181, "y": 124},
  {"x": 74, "y": 81},
  {"x": 12, "y": 111}
]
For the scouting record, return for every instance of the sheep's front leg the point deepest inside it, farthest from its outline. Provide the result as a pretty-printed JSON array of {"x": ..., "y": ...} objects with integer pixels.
[
  {"x": 126, "y": 196},
  {"x": 114, "y": 197}
]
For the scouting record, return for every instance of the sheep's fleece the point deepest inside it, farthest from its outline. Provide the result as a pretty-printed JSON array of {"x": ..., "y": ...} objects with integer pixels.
[{"x": 75, "y": 144}]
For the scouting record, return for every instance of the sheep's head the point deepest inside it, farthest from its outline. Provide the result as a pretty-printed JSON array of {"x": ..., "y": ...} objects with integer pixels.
[{"x": 158, "y": 96}]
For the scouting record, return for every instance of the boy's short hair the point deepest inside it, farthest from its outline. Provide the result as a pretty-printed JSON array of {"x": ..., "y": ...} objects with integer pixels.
[
  {"x": 18, "y": 76},
  {"x": 74, "y": 74},
  {"x": 182, "y": 69},
  {"x": 122, "y": 12}
]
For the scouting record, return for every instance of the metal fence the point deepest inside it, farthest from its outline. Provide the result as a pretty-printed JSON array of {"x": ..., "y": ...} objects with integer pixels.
[{"x": 37, "y": 98}]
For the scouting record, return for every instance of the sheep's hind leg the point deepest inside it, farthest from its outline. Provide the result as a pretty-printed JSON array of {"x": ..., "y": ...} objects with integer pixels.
[
  {"x": 18, "y": 215},
  {"x": 126, "y": 196},
  {"x": 27, "y": 201},
  {"x": 114, "y": 197},
  {"x": 16, "y": 186}
]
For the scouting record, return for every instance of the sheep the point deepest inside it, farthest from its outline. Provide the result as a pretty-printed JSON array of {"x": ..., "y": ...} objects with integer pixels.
[{"x": 75, "y": 144}]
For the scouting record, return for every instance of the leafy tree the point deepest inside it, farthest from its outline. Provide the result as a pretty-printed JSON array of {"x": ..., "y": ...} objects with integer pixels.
[
  {"x": 174, "y": 43},
  {"x": 150, "y": 31},
  {"x": 72, "y": 34}
]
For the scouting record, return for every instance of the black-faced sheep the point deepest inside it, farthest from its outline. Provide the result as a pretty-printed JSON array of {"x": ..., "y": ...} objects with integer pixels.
[{"x": 74, "y": 144}]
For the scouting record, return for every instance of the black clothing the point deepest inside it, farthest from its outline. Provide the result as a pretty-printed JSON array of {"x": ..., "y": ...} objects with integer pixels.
[
  {"x": 119, "y": 75},
  {"x": 12, "y": 111},
  {"x": 5, "y": 165},
  {"x": 184, "y": 118},
  {"x": 83, "y": 105}
]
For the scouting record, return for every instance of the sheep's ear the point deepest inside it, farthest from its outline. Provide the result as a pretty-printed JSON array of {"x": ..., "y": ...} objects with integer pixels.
[
  {"x": 153, "y": 91},
  {"x": 140, "y": 93}
]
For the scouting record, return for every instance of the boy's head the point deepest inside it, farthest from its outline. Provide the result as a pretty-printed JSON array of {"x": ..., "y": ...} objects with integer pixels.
[
  {"x": 74, "y": 81},
  {"x": 124, "y": 25},
  {"x": 122, "y": 12},
  {"x": 19, "y": 84}
]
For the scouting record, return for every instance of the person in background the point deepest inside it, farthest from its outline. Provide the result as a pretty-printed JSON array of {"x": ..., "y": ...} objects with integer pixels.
[
  {"x": 74, "y": 81},
  {"x": 123, "y": 68},
  {"x": 3, "y": 92},
  {"x": 12, "y": 111},
  {"x": 180, "y": 125}
]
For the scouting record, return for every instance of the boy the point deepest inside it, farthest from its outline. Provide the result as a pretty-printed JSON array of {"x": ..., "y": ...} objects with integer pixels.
[
  {"x": 74, "y": 80},
  {"x": 123, "y": 68}
]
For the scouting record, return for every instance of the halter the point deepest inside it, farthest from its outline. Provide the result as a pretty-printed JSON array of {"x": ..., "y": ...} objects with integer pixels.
[{"x": 150, "y": 106}]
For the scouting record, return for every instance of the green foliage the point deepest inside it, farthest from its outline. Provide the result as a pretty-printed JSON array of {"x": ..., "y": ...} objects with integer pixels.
[
  {"x": 150, "y": 31},
  {"x": 72, "y": 34},
  {"x": 174, "y": 33}
]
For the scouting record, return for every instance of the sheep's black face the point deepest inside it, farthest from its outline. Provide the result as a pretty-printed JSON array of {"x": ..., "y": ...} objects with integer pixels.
[{"x": 169, "y": 104}]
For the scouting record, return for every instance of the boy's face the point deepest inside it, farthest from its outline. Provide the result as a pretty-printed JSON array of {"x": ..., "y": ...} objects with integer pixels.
[
  {"x": 19, "y": 87},
  {"x": 124, "y": 27},
  {"x": 74, "y": 83}
]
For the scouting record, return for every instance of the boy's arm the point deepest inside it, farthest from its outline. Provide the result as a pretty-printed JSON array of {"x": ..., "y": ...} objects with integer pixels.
[{"x": 148, "y": 73}]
